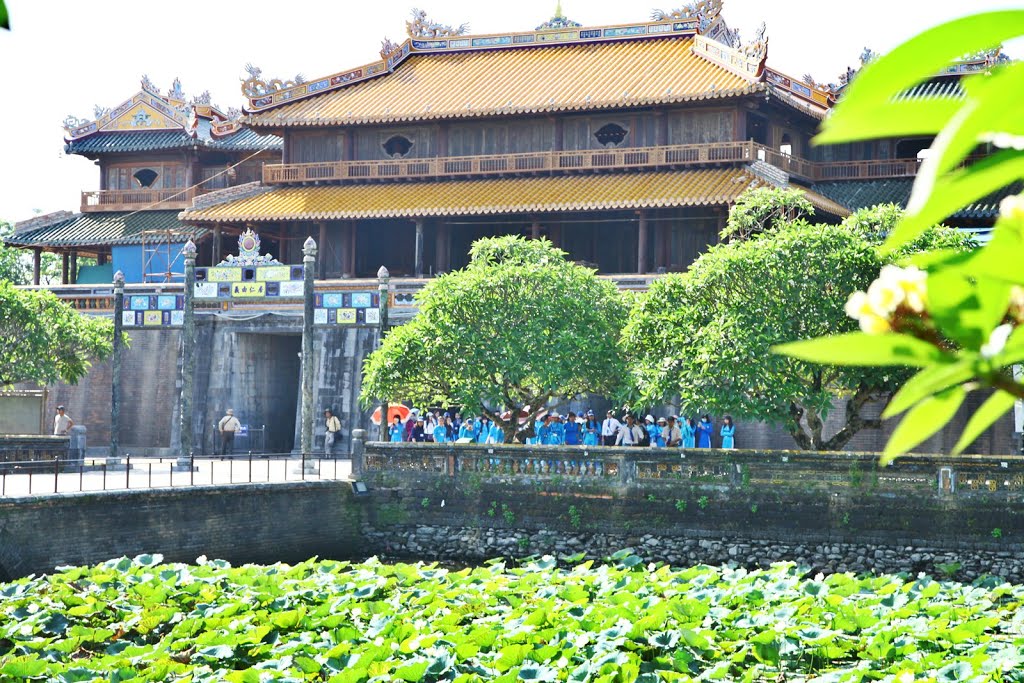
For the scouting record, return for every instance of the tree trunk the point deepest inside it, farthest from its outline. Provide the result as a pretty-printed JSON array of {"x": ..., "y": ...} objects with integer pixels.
[{"x": 810, "y": 438}]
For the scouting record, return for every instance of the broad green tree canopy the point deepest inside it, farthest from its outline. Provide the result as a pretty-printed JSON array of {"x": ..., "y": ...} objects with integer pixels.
[
  {"x": 43, "y": 339},
  {"x": 518, "y": 327},
  {"x": 706, "y": 335}
]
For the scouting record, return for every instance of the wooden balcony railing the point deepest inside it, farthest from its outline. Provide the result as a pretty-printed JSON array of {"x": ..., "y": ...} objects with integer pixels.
[
  {"x": 856, "y": 170},
  {"x": 525, "y": 163},
  {"x": 585, "y": 160},
  {"x": 133, "y": 200}
]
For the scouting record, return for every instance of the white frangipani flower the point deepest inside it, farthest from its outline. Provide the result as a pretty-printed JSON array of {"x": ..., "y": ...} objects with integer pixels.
[
  {"x": 1012, "y": 207},
  {"x": 996, "y": 341}
]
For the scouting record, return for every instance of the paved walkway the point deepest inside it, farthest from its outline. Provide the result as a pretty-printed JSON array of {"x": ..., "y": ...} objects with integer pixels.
[{"x": 159, "y": 473}]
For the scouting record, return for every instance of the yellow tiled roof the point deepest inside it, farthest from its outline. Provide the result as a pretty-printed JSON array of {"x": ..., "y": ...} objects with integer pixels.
[
  {"x": 481, "y": 197},
  {"x": 519, "y": 81}
]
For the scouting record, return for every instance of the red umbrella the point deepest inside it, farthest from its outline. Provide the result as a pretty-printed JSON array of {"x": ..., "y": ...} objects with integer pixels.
[
  {"x": 394, "y": 410},
  {"x": 524, "y": 415}
]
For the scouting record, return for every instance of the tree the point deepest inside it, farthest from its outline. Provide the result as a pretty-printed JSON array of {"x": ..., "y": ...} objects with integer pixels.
[
  {"x": 518, "y": 327},
  {"x": 43, "y": 339},
  {"x": 960, "y": 321},
  {"x": 13, "y": 267},
  {"x": 706, "y": 335}
]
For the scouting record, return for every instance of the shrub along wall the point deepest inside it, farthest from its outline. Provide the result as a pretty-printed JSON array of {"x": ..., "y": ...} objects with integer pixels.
[{"x": 833, "y": 511}]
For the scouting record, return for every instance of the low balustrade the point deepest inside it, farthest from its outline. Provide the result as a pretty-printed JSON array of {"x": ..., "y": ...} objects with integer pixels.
[{"x": 998, "y": 477}]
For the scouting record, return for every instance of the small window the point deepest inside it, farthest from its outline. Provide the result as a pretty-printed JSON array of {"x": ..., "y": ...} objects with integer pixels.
[
  {"x": 611, "y": 134},
  {"x": 145, "y": 177},
  {"x": 397, "y": 146}
]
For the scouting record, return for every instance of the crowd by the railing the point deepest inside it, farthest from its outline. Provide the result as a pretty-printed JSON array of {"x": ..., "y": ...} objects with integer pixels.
[
  {"x": 553, "y": 429},
  {"x": 62, "y": 475}
]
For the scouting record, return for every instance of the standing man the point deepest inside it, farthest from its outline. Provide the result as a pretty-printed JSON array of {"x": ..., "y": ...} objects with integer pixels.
[
  {"x": 227, "y": 427},
  {"x": 62, "y": 424},
  {"x": 610, "y": 429},
  {"x": 332, "y": 425},
  {"x": 631, "y": 433}
]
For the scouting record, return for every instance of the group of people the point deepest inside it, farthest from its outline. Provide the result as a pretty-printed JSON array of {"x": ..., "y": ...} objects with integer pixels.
[{"x": 570, "y": 430}]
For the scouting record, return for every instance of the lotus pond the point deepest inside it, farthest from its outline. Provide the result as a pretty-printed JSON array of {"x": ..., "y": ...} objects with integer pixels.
[{"x": 624, "y": 620}]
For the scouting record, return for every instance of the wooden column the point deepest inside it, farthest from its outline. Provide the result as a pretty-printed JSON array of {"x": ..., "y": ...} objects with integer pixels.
[
  {"x": 73, "y": 271},
  {"x": 37, "y": 261},
  {"x": 559, "y": 141},
  {"x": 660, "y": 260},
  {"x": 352, "y": 230},
  {"x": 64, "y": 268},
  {"x": 660, "y": 128},
  {"x": 348, "y": 153},
  {"x": 322, "y": 251},
  {"x": 282, "y": 245},
  {"x": 442, "y": 248},
  {"x": 418, "y": 262},
  {"x": 101, "y": 259},
  {"x": 535, "y": 230},
  {"x": 555, "y": 233},
  {"x": 641, "y": 252},
  {"x": 215, "y": 246}
]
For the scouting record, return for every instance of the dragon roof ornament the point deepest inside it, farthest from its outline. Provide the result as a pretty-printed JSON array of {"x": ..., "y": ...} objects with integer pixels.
[
  {"x": 422, "y": 27},
  {"x": 149, "y": 86},
  {"x": 705, "y": 11},
  {"x": 757, "y": 49},
  {"x": 175, "y": 92},
  {"x": 256, "y": 86}
]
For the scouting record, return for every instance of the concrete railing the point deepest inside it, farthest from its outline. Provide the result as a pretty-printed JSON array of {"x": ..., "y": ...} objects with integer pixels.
[{"x": 936, "y": 476}]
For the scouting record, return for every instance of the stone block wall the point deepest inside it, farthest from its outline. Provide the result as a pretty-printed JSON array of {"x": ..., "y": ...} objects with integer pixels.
[
  {"x": 265, "y": 523},
  {"x": 832, "y": 511}
]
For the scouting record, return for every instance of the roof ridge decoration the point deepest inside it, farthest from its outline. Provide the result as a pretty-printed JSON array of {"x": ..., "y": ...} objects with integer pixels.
[
  {"x": 705, "y": 11},
  {"x": 421, "y": 27},
  {"x": 558, "y": 21},
  {"x": 148, "y": 110},
  {"x": 249, "y": 252},
  {"x": 256, "y": 86},
  {"x": 262, "y": 96}
]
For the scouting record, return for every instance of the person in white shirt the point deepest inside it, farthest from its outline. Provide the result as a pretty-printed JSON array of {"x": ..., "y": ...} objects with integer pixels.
[
  {"x": 62, "y": 424},
  {"x": 631, "y": 433},
  {"x": 610, "y": 429},
  {"x": 227, "y": 427},
  {"x": 332, "y": 426}
]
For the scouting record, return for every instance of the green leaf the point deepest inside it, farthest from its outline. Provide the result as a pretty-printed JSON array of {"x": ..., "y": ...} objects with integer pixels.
[
  {"x": 994, "y": 407},
  {"x": 965, "y": 308},
  {"x": 923, "y": 420},
  {"x": 912, "y": 62},
  {"x": 244, "y": 676},
  {"x": 928, "y": 381},
  {"x": 858, "y": 348},
  {"x": 955, "y": 190},
  {"x": 24, "y": 668},
  {"x": 5, "y": 21}
]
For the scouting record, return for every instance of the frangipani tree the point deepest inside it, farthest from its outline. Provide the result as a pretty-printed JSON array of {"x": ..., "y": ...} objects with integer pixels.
[
  {"x": 516, "y": 328},
  {"x": 957, "y": 318}
]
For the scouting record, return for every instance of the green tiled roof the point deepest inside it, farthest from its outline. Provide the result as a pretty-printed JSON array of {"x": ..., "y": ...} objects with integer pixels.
[
  {"x": 101, "y": 228},
  {"x": 245, "y": 140},
  {"x": 946, "y": 87},
  {"x": 858, "y": 194}
]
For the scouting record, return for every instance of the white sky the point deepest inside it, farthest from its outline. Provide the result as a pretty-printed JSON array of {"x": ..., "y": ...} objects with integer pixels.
[{"x": 64, "y": 56}]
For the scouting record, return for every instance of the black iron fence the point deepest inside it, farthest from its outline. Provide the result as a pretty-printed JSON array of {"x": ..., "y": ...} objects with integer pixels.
[{"x": 42, "y": 477}]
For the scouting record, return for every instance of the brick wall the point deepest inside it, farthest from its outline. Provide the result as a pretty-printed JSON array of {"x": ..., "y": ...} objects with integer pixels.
[{"x": 242, "y": 523}]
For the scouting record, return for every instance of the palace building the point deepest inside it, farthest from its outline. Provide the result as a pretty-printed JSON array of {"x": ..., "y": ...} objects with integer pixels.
[
  {"x": 624, "y": 145},
  {"x": 156, "y": 153}
]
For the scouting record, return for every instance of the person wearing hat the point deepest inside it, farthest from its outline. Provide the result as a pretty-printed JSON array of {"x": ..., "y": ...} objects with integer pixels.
[
  {"x": 671, "y": 434},
  {"x": 419, "y": 433},
  {"x": 467, "y": 430},
  {"x": 227, "y": 427},
  {"x": 557, "y": 430},
  {"x": 591, "y": 430},
  {"x": 62, "y": 423},
  {"x": 653, "y": 432},
  {"x": 610, "y": 429}
]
